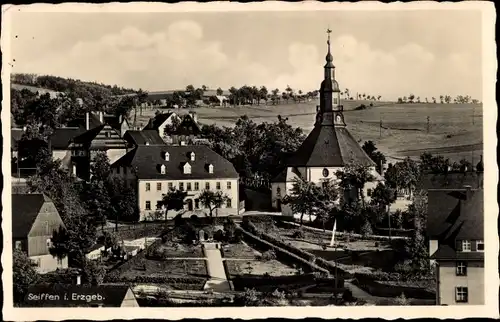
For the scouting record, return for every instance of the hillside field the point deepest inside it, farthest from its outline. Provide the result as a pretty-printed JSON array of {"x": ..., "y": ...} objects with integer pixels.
[{"x": 404, "y": 133}]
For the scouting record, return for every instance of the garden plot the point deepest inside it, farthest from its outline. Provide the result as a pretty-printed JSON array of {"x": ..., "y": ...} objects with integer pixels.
[
  {"x": 141, "y": 266},
  {"x": 239, "y": 251},
  {"x": 270, "y": 268}
]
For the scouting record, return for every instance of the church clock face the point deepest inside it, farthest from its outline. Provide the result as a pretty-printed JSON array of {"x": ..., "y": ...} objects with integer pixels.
[{"x": 325, "y": 172}]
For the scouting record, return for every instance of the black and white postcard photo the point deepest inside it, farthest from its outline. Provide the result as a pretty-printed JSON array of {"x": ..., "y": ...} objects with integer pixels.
[{"x": 249, "y": 160}]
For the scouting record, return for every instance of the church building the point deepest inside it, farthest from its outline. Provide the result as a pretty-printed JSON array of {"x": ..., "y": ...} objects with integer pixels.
[{"x": 328, "y": 148}]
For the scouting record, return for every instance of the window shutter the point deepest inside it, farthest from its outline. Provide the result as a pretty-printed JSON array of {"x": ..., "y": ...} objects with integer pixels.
[
  {"x": 458, "y": 245},
  {"x": 473, "y": 246}
]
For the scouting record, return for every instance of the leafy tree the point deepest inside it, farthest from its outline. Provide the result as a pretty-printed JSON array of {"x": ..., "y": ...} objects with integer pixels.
[
  {"x": 301, "y": 198},
  {"x": 416, "y": 246},
  {"x": 63, "y": 190},
  {"x": 219, "y": 91},
  {"x": 174, "y": 199},
  {"x": 403, "y": 175},
  {"x": 370, "y": 148},
  {"x": 355, "y": 176},
  {"x": 24, "y": 275},
  {"x": 93, "y": 273},
  {"x": 212, "y": 200}
]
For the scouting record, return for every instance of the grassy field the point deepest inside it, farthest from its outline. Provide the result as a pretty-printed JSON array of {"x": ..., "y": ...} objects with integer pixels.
[{"x": 451, "y": 129}]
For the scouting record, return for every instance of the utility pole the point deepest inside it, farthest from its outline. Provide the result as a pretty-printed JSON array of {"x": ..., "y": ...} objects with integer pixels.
[
  {"x": 380, "y": 130},
  {"x": 473, "y": 113},
  {"x": 428, "y": 123}
]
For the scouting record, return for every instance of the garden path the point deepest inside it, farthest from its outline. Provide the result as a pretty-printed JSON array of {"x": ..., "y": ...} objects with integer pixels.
[{"x": 218, "y": 281}]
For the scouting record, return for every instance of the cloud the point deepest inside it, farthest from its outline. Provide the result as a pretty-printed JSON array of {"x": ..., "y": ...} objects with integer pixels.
[{"x": 181, "y": 55}]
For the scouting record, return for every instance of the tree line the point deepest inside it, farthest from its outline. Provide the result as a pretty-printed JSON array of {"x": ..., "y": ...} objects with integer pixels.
[{"x": 443, "y": 99}]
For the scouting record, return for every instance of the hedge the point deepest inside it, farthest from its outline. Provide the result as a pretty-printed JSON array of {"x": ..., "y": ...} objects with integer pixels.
[
  {"x": 283, "y": 254},
  {"x": 378, "y": 288},
  {"x": 154, "y": 279}
]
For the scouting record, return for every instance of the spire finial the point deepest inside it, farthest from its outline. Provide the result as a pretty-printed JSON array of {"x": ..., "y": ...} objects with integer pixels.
[{"x": 328, "y": 31}]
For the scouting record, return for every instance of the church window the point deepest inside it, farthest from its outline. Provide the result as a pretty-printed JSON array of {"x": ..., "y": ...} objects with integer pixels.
[
  {"x": 325, "y": 172},
  {"x": 369, "y": 192}
]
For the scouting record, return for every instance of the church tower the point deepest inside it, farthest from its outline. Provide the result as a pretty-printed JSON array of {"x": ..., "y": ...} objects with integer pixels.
[{"x": 330, "y": 108}]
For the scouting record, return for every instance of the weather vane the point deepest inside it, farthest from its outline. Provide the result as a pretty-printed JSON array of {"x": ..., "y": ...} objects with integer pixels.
[{"x": 328, "y": 31}]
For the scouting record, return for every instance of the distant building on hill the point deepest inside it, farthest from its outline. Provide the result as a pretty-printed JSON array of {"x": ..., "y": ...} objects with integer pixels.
[
  {"x": 328, "y": 148},
  {"x": 156, "y": 169},
  {"x": 34, "y": 220},
  {"x": 455, "y": 230}
]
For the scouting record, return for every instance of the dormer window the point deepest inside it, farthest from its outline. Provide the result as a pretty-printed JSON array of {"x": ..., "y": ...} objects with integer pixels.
[
  {"x": 210, "y": 168},
  {"x": 163, "y": 169},
  {"x": 192, "y": 156},
  {"x": 167, "y": 156},
  {"x": 187, "y": 168}
]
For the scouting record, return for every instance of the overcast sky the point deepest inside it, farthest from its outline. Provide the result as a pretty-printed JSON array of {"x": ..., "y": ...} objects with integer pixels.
[{"x": 427, "y": 53}]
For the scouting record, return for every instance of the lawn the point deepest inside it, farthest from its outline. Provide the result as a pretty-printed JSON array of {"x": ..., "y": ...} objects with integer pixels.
[
  {"x": 255, "y": 267},
  {"x": 451, "y": 130},
  {"x": 141, "y": 266}
]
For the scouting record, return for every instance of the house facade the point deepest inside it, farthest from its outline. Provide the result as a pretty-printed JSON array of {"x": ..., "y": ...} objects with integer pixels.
[
  {"x": 34, "y": 219},
  {"x": 156, "y": 169},
  {"x": 456, "y": 244},
  {"x": 328, "y": 148}
]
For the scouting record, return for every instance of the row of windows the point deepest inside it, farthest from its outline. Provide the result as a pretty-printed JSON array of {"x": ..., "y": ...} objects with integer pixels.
[
  {"x": 196, "y": 204},
  {"x": 467, "y": 245},
  {"x": 189, "y": 186}
]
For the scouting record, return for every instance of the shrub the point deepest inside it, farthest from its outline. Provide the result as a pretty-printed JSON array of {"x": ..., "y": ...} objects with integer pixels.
[
  {"x": 366, "y": 229},
  {"x": 269, "y": 255},
  {"x": 347, "y": 296},
  {"x": 298, "y": 234},
  {"x": 401, "y": 300},
  {"x": 377, "y": 244}
]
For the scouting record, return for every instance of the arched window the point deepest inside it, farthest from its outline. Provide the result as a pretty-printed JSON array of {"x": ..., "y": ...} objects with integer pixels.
[
  {"x": 167, "y": 156},
  {"x": 325, "y": 172}
]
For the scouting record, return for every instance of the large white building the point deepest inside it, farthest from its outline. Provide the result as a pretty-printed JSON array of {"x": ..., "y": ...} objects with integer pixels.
[
  {"x": 328, "y": 148},
  {"x": 155, "y": 169}
]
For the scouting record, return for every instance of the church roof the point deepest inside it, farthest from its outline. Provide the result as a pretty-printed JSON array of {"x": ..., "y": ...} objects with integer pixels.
[{"x": 329, "y": 146}]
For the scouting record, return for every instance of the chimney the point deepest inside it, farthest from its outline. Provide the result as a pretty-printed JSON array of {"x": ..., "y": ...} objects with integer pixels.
[
  {"x": 120, "y": 119},
  {"x": 87, "y": 121},
  {"x": 101, "y": 116},
  {"x": 74, "y": 170},
  {"x": 78, "y": 279}
]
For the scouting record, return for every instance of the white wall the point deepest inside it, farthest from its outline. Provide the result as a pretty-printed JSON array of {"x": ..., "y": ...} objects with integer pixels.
[
  {"x": 153, "y": 195},
  {"x": 115, "y": 154},
  {"x": 48, "y": 263},
  {"x": 448, "y": 280}
]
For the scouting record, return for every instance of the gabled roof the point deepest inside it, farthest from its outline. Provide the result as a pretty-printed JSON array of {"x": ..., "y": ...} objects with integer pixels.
[
  {"x": 455, "y": 214},
  {"x": 25, "y": 209},
  {"x": 144, "y": 137},
  {"x": 115, "y": 121},
  {"x": 147, "y": 160},
  {"x": 62, "y": 137},
  {"x": 155, "y": 122},
  {"x": 446, "y": 252},
  {"x": 112, "y": 295},
  {"x": 98, "y": 140},
  {"x": 329, "y": 146}
]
